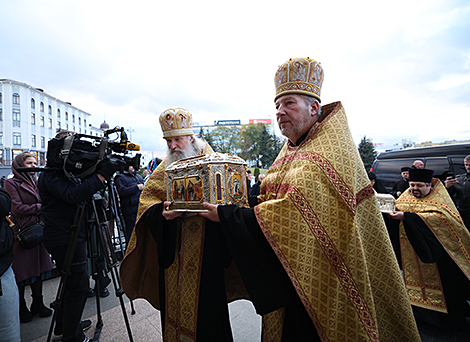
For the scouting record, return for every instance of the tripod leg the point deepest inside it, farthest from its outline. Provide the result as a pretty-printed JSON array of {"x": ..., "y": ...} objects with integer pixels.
[
  {"x": 93, "y": 254},
  {"x": 110, "y": 256}
]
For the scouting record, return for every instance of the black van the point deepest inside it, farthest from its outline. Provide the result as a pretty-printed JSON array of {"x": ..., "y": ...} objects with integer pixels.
[{"x": 445, "y": 160}]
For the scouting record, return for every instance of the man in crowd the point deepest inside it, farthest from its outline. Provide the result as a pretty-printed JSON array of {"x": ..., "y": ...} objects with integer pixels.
[
  {"x": 400, "y": 186},
  {"x": 376, "y": 183},
  {"x": 129, "y": 185},
  {"x": 314, "y": 255},
  {"x": 459, "y": 190},
  {"x": 61, "y": 198},
  {"x": 248, "y": 182},
  {"x": 255, "y": 191},
  {"x": 418, "y": 164},
  {"x": 434, "y": 251},
  {"x": 177, "y": 262}
]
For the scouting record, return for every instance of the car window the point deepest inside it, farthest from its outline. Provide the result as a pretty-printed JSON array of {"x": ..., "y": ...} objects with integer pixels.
[
  {"x": 440, "y": 165},
  {"x": 457, "y": 165}
]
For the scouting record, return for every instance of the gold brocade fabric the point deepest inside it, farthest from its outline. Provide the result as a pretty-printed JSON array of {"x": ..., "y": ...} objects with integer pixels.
[
  {"x": 140, "y": 270},
  {"x": 321, "y": 218},
  {"x": 439, "y": 213}
]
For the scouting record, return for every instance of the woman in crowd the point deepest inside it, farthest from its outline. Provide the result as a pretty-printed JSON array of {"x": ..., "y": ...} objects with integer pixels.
[{"x": 31, "y": 266}]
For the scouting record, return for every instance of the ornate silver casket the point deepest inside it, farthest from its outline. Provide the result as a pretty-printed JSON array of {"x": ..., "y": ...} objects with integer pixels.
[
  {"x": 386, "y": 203},
  {"x": 217, "y": 178}
]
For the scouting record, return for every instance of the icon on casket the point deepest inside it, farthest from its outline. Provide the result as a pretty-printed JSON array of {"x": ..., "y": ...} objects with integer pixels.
[{"x": 217, "y": 178}]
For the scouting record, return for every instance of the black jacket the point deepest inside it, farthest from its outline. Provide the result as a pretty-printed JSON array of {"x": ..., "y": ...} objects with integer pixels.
[
  {"x": 460, "y": 192},
  {"x": 129, "y": 193},
  {"x": 60, "y": 199},
  {"x": 6, "y": 233}
]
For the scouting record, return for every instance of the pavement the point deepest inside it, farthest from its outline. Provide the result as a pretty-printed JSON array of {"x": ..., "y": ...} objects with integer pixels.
[{"x": 145, "y": 323}]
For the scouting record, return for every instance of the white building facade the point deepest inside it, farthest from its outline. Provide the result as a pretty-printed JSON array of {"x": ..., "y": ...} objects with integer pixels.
[{"x": 29, "y": 118}]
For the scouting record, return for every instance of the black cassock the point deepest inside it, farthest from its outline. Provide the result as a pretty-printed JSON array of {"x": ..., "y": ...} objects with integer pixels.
[
  {"x": 399, "y": 186},
  {"x": 264, "y": 277},
  {"x": 213, "y": 323}
]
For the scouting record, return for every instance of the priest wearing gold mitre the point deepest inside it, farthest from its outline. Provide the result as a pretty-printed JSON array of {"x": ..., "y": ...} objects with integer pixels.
[
  {"x": 314, "y": 254},
  {"x": 179, "y": 263},
  {"x": 435, "y": 249}
]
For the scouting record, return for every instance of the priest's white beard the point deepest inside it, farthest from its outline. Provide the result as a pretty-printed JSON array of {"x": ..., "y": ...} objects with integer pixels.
[{"x": 191, "y": 150}]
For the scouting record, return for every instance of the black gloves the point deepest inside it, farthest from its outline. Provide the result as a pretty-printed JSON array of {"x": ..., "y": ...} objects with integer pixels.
[{"x": 110, "y": 166}]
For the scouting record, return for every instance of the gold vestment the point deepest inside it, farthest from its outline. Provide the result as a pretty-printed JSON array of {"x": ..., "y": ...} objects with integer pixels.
[
  {"x": 320, "y": 216},
  {"x": 439, "y": 213}
]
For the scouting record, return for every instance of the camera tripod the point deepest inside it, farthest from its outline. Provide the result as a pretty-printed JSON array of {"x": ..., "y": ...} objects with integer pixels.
[{"x": 101, "y": 250}]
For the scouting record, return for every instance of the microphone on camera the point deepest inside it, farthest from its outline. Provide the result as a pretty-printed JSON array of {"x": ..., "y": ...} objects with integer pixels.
[{"x": 132, "y": 146}]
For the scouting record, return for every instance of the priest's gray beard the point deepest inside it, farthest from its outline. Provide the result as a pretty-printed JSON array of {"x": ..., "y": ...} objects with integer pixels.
[{"x": 192, "y": 149}]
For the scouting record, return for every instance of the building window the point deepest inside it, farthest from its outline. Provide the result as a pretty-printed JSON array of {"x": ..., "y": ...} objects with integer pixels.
[
  {"x": 43, "y": 142},
  {"x": 73, "y": 128},
  {"x": 33, "y": 104},
  {"x": 0, "y": 97},
  {"x": 79, "y": 121},
  {"x": 73, "y": 118},
  {"x": 33, "y": 119},
  {"x": 41, "y": 107},
  {"x": 66, "y": 115},
  {"x": 58, "y": 113},
  {"x": 16, "y": 98},
  {"x": 16, "y": 138},
  {"x": 16, "y": 118},
  {"x": 58, "y": 126},
  {"x": 1, "y": 138},
  {"x": 49, "y": 110},
  {"x": 84, "y": 123},
  {"x": 1, "y": 157},
  {"x": 49, "y": 124},
  {"x": 41, "y": 121},
  {"x": 33, "y": 140},
  {"x": 66, "y": 126},
  {"x": 1, "y": 114}
]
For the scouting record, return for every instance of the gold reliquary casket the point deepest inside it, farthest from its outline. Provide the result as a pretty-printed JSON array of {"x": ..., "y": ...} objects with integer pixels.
[
  {"x": 217, "y": 178},
  {"x": 386, "y": 203}
]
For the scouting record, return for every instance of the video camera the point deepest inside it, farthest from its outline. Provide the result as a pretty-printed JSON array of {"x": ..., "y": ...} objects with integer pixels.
[{"x": 81, "y": 155}]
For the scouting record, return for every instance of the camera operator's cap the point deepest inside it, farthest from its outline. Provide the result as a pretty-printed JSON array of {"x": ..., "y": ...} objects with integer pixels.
[
  {"x": 176, "y": 122},
  {"x": 300, "y": 75},
  {"x": 405, "y": 168},
  {"x": 420, "y": 175}
]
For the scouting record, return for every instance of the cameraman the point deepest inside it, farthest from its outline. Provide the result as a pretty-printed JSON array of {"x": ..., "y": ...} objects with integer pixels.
[{"x": 61, "y": 198}]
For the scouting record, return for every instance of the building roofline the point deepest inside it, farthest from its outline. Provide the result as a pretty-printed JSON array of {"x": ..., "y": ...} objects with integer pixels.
[{"x": 39, "y": 90}]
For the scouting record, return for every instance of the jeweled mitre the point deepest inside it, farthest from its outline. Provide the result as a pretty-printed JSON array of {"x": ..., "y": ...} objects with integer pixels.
[
  {"x": 299, "y": 76},
  {"x": 176, "y": 122}
]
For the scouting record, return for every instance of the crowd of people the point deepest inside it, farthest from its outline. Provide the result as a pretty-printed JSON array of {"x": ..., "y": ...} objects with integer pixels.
[{"x": 312, "y": 251}]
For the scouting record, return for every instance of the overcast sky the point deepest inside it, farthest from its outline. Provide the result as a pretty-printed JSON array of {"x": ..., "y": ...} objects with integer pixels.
[{"x": 400, "y": 68}]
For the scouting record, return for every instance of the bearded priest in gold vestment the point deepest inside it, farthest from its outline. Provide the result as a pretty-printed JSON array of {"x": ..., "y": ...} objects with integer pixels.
[
  {"x": 179, "y": 264},
  {"x": 314, "y": 254},
  {"x": 435, "y": 248}
]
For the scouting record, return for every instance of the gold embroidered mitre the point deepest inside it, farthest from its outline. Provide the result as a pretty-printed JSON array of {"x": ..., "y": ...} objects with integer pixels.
[
  {"x": 176, "y": 122},
  {"x": 299, "y": 76}
]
